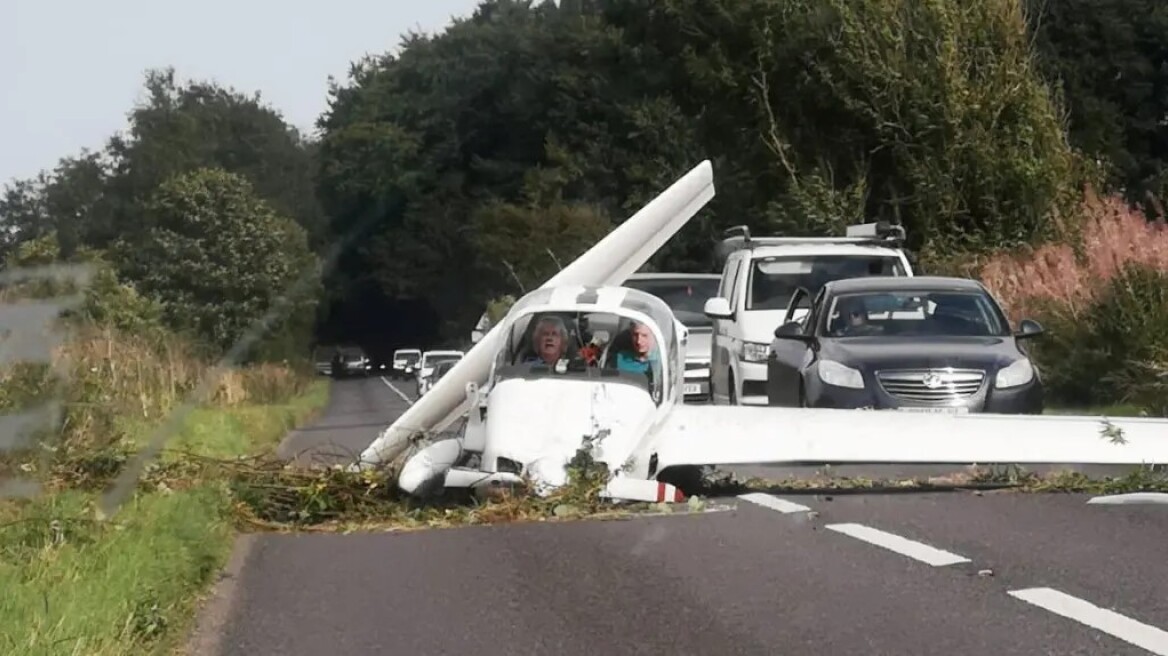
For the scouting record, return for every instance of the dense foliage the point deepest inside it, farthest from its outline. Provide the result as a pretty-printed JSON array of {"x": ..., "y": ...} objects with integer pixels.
[{"x": 471, "y": 163}]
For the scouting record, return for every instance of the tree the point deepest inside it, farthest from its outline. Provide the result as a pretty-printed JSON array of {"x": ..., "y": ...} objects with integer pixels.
[
  {"x": 183, "y": 128},
  {"x": 529, "y": 243},
  {"x": 64, "y": 201},
  {"x": 1110, "y": 60},
  {"x": 218, "y": 259}
]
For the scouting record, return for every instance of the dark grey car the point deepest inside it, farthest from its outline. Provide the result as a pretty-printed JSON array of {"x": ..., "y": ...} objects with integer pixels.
[{"x": 910, "y": 343}]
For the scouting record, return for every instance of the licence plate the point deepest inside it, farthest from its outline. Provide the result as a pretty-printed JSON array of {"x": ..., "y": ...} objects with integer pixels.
[
  {"x": 693, "y": 388},
  {"x": 950, "y": 411}
]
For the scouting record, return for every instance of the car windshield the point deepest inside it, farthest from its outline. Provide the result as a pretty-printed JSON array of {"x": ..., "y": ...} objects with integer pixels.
[
  {"x": 352, "y": 353},
  {"x": 773, "y": 280},
  {"x": 685, "y": 296},
  {"x": 584, "y": 345},
  {"x": 408, "y": 358},
  {"x": 433, "y": 360},
  {"x": 915, "y": 314}
]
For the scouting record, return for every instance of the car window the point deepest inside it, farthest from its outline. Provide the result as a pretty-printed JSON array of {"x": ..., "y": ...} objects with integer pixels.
[
  {"x": 685, "y": 296},
  {"x": 773, "y": 280},
  {"x": 915, "y": 314}
]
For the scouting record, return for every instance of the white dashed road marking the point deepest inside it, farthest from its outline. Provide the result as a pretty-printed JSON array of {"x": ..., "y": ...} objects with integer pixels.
[
  {"x": 903, "y": 546},
  {"x": 773, "y": 502},
  {"x": 1108, "y": 621},
  {"x": 396, "y": 390}
]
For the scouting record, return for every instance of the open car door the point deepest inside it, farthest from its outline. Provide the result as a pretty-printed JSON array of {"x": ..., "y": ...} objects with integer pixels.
[{"x": 789, "y": 354}]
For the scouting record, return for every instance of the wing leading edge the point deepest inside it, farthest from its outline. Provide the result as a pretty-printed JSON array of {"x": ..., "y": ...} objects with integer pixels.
[{"x": 740, "y": 435}]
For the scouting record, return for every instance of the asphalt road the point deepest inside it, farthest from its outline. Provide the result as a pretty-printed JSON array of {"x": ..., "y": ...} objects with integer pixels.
[
  {"x": 359, "y": 409},
  {"x": 953, "y": 573}
]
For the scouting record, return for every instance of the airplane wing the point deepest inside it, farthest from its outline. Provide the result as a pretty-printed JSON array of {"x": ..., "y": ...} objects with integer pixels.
[{"x": 739, "y": 435}]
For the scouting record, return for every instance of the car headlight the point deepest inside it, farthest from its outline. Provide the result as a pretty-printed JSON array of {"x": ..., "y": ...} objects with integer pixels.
[
  {"x": 834, "y": 373},
  {"x": 1019, "y": 373},
  {"x": 755, "y": 352}
]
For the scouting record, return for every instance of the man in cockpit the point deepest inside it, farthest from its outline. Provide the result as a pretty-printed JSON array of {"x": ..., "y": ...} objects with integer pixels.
[
  {"x": 549, "y": 341},
  {"x": 642, "y": 357}
]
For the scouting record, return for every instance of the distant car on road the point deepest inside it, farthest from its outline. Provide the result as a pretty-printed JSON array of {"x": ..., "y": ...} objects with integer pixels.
[
  {"x": 440, "y": 370},
  {"x": 431, "y": 359},
  {"x": 350, "y": 361},
  {"x": 405, "y": 362},
  {"x": 920, "y": 343},
  {"x": 322, "y": 358}
]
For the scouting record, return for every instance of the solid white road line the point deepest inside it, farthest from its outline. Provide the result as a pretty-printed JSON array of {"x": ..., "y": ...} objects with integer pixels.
[
  {"x": 773, "y": 502},
  {"x": 396, "y": 390},
  {"x": 904, "y": 546},
  {"x": 1108, "y": 621}
]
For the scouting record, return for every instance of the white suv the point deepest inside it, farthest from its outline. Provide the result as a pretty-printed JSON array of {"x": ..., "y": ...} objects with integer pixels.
[
  {"x": 425, "y": 370},
  {"x": 758, "y": 281}
]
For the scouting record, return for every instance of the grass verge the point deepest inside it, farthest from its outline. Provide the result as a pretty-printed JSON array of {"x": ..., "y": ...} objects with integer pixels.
[{"x": 73, "y": 585}]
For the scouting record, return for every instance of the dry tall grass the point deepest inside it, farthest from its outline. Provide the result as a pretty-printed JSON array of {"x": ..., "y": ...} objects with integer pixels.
[
  {"x": 1070, "y": 276},
  {"x": 1103, "y": 297},
  {"x": 109, "y": 381}
]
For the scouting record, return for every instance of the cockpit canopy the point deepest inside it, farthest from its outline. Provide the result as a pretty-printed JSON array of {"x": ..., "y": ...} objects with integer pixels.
[{"x": 591, "y": 333}]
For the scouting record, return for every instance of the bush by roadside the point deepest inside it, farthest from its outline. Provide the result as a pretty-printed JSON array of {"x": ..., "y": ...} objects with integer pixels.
[
  {"x": 1102, "y": 295},
  {"x": 73, "y": 582}
]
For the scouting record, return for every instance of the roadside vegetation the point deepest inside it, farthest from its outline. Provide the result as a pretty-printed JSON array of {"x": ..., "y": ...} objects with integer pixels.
[
  {"x": 1019, "y": 142},
  {"x": 180, "y": 341}
]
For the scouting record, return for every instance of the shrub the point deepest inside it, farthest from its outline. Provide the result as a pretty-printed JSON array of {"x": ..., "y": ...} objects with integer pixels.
[{"x": 1103, "y": 298}]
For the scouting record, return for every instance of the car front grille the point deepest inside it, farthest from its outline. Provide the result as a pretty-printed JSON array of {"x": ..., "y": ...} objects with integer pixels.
[
  {"x": 931, "y": 386},
  {"x": 692, "y": 365}
]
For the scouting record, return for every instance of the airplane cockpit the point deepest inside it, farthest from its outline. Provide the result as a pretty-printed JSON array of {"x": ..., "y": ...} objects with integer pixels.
[{"x": 592, "y": 344}]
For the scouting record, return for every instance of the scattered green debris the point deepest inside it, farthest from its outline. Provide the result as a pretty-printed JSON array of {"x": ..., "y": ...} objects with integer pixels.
[{"x": 1112, "y": 433}]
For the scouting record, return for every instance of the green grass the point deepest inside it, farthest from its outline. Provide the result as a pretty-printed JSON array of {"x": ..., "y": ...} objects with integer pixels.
[{"x": 72, "y": 585}]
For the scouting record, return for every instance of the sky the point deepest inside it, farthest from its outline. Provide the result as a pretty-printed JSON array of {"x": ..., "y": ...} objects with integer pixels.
[{"x": 71, "y": 70}]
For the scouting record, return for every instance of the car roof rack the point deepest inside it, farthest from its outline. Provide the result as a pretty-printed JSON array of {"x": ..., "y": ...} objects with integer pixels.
[{"x": 880, "y": 233}]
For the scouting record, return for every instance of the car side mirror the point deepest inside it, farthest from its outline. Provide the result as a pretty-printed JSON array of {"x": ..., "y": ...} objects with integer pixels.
[
  {"x": 1028, "y": 328},
  {"x": 792, "y": 330},
  {"x": 718, "y": 308},
  {"x": 476, "y": 336}
]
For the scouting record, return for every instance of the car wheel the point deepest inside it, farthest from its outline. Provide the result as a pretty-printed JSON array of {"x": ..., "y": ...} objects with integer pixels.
[{"x": 731, "y": 392}]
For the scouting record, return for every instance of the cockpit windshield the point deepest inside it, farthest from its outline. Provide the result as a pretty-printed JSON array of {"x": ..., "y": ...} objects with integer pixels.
[
  {"x": 632, "y": 344},
  {"x": 583, "y": 345}
]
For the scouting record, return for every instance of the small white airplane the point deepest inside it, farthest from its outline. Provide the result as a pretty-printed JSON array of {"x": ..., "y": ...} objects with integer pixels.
[
  {"x": 550, "y": 378},
  {"x": 564, "y": 376}
]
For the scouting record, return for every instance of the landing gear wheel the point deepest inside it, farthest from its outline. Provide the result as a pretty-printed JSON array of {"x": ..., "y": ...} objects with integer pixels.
[{"x": 690, "y": 479}]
